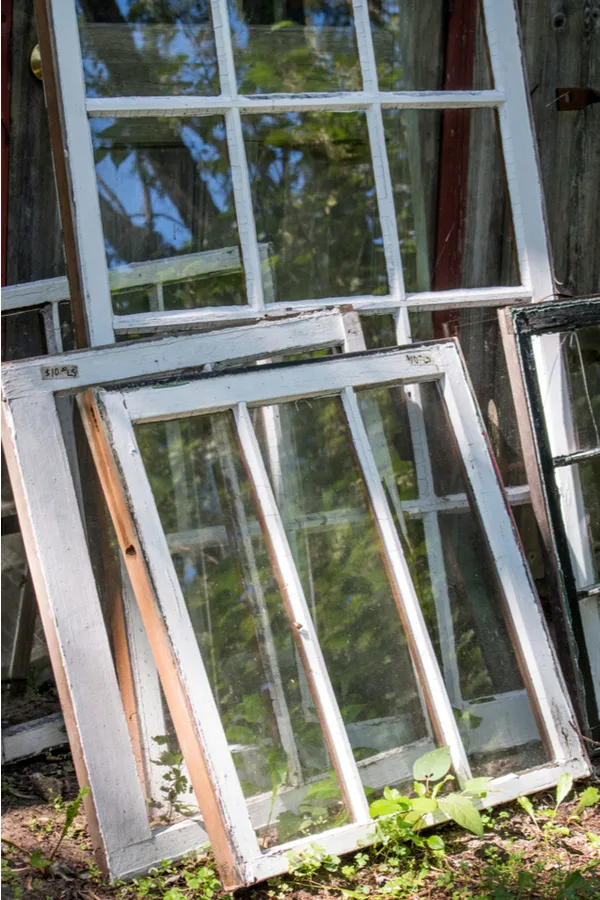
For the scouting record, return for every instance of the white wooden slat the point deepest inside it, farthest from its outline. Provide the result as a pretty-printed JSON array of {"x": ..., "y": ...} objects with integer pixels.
[
  {"x": 32, "y": 738},
  {"x": 240, "y": 178},
  {"x": 237, "y": 156},
  {"x": 518, "y": 144},
  {"x": 34, "y": 293},
  {"x": 385, "y": 201},
  {"x": 73, "y": 622},
  {"x": 185, "y": 653},
  {"x": 528, "y": 631},
  {"x": 85, "y": 204},
  {"x": 138, "y": 360},
  {"x": 151, "y": 404},
  {"x": 114, "y": 107},
  {"x": 419, "y": 640},
  {"x": 300, "y": 620}
]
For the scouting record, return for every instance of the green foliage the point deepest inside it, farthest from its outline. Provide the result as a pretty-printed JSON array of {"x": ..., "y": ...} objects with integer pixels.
[
  {"x": 588, "y": 798},
  {"x": 563, "y": 788},
  {"x": 192, "y": 880},
  {"x": 527, "y": 805},
  {"x": 175, "y": 783},
  {"x": 405, "y": 815}
]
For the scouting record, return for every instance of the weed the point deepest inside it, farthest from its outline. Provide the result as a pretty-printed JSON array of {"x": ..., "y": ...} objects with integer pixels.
[{"x": 175, "y": 783}]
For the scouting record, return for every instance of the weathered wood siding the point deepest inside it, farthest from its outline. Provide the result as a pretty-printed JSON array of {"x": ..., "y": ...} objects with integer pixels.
[{"x": 561, "y": 39}]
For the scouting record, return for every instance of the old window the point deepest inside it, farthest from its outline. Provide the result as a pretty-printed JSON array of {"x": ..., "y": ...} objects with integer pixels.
[
  {"x": 245, "y": 562},
  {"x": 563, "y": 403},
  {"x": 341, "y": 167}
]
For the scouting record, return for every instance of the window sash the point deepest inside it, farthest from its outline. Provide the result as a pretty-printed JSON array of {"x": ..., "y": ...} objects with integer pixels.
[
  {"x": 509, "y": 97},
  {"x": 270, "y": 385}
]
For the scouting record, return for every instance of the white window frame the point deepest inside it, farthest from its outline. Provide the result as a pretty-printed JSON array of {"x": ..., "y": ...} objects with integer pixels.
[
  {"x": 94, "y": 713},
  {"x": 508, "y": 97}
]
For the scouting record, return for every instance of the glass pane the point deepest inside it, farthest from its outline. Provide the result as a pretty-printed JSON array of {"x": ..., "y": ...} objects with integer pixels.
[
  {"x": 293, "y": 47},
  {"x": 314, "y": 199},
  {"x": 322, "y": 498},
  {"x": 481, "y": 344},
  {"x": 455, "y": 57},
  {"x": 452, "y": 206},
  {"x": 587, "y": 478},
  {"x": 581, "y": 353},
  {"x": 455, "y": 579},
  {"x": 204, "y": 501},
  {"x": 166, "y": 196},
  {"x": 147, "y": 48}
]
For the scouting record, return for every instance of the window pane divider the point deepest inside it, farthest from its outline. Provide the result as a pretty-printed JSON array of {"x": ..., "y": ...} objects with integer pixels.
[
  {"x": 421, "y": 648},
  {"x": 301, "y": 622},
  {"x": 344, "y": 101},
  {"x": 240, "y": 176}
]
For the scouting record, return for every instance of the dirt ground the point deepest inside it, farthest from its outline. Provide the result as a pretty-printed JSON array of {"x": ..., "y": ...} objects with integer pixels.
[{"x": 34, "y": 794}]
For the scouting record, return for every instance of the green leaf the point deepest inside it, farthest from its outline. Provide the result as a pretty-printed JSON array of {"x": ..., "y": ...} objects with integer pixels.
[
  {"x": 462, "y": 811},
  {"x": 174, "y": 894},
  {"x": 594, "y": 839},
  {"x": 423, "y": 805},
  {"x": 324, "y": 789},
  {"x": 420, "y": 789},
  {"x": 73, "y": 808},
  {"x": 563, "y": 787},
  {"x": 477, "y": 787},
  {"x": 526, "y": 804},
  {"x": 435, "y": 842},
  {"x": 37, "y": 860},
  {"x": 433, "y": 765},
  {"x": 385, "y": 807},
  {"x": 590, "y": 797}
]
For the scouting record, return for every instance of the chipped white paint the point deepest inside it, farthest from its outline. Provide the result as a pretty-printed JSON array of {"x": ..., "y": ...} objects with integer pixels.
[
  {"x": 185, "y": 354},
  {"x": 114, "y": 107}
]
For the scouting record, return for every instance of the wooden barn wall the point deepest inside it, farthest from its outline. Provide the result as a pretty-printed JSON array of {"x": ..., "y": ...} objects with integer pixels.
[{"x": 561, "y": 39}]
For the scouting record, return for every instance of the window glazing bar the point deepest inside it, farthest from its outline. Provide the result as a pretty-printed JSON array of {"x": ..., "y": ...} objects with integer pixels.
[
  {"x": 301, "y": 622},
  {"x": 114, "y": 107}
]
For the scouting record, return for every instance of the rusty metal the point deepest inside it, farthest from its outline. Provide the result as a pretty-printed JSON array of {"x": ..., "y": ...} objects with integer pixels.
[{"x": 572, "y": 99}]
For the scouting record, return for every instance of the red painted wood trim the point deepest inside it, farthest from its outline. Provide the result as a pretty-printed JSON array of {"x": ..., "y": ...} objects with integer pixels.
[
  {"x": 454, "y": 162},
  {"x": 7, "y": 6}
]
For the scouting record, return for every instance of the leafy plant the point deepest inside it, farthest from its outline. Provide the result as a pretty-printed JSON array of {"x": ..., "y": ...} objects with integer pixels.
[
  {"x": 588, "y": 798},
  {"x": 175, "y": 782},
  {"x": 406, "y": 815},
  {"x": 170, "y": 882}
]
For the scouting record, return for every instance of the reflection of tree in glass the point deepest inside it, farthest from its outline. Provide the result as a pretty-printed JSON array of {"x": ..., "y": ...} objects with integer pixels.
[
  {"x": 221, "y": 599},
  {"x": 314, "y": 201},
  {"x": 291, "y": 47},
  {"x": 165, "y": 190},
  {"x": 147, "y": 47}
]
